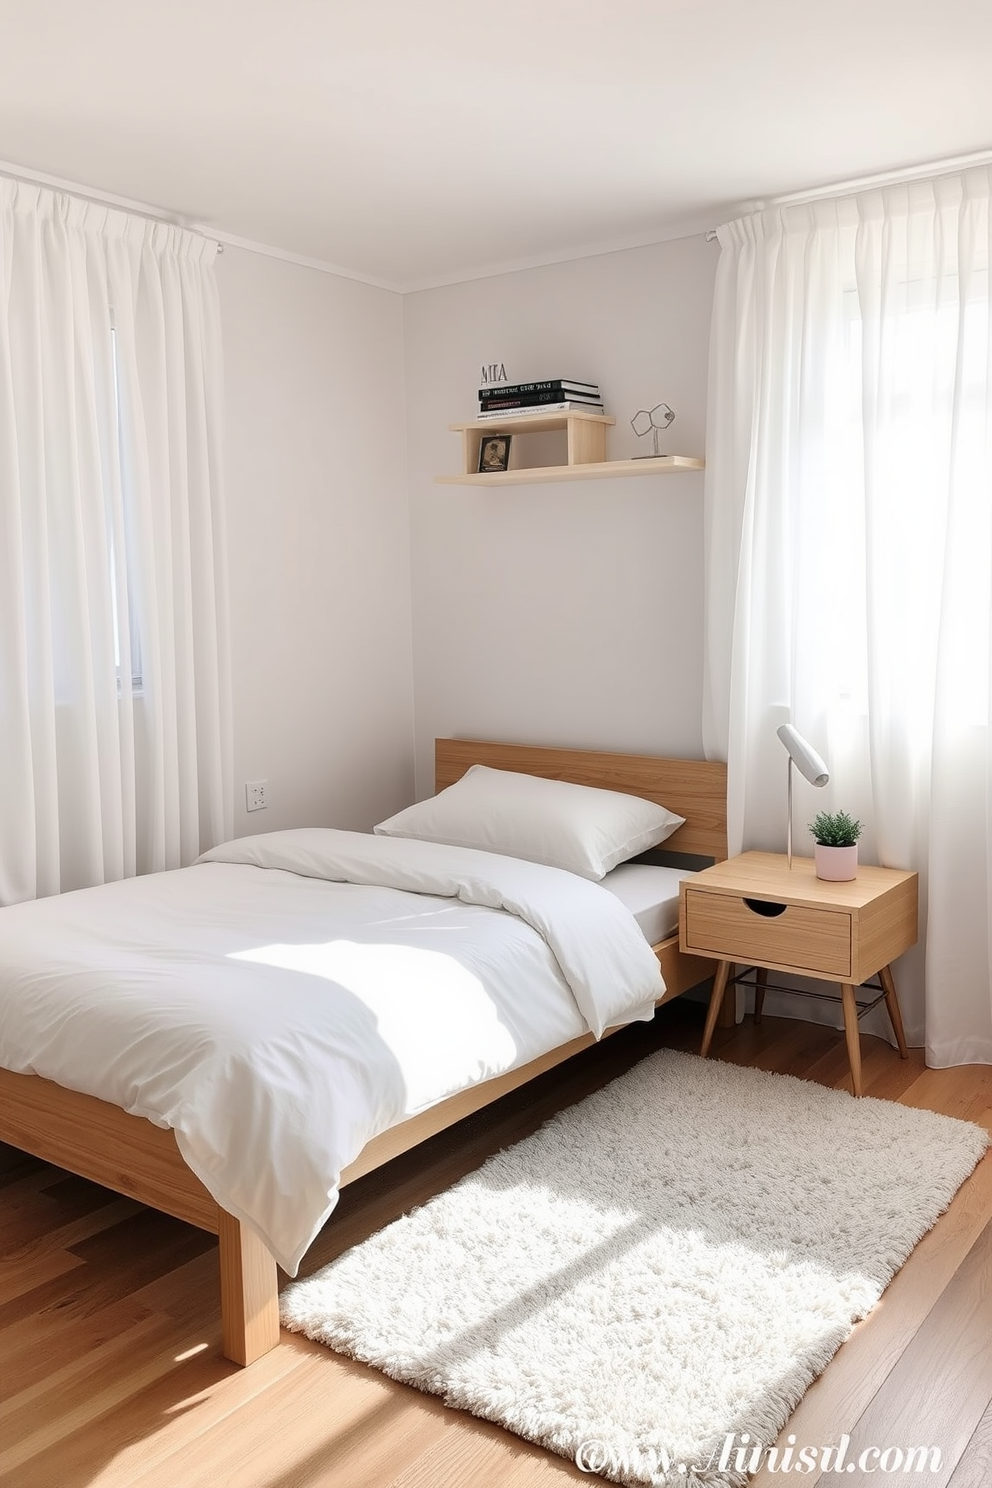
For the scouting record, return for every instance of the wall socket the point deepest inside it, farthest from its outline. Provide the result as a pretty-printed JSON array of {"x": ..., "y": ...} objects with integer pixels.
[{"x": 256, "y": 795}]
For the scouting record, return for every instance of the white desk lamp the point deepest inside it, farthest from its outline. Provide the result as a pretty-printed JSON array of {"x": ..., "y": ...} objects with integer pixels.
[{"x": 809, "y": 762}]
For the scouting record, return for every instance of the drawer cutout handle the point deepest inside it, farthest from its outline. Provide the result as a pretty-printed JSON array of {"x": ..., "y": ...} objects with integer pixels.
[{"x": 766, "y": 907}]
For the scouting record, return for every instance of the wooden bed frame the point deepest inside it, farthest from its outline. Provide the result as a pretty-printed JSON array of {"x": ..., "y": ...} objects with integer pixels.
[{"x": 130, "y": 1155}]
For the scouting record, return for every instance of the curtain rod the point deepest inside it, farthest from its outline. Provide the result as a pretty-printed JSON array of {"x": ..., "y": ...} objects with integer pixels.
[
  {"x": 100, "y": 198},
  {"x": 929, "y": 171}
]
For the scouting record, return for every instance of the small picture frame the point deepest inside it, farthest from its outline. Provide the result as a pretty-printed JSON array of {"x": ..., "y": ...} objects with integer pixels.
[{"x": 494, "y": 453}]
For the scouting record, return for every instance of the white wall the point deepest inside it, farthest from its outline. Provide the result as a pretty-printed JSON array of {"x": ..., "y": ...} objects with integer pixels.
[
  {"x": 550, "y": 614},
  {"x": 318, "y": 543},
  {"x": 561, "y": 614}
]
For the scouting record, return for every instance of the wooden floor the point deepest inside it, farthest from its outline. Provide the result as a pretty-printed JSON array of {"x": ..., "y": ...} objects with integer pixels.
[{"x": 110, "y": 1371}]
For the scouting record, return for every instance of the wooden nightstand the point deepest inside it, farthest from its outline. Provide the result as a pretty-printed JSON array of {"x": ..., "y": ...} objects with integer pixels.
[{"x": 753, "y": 910}]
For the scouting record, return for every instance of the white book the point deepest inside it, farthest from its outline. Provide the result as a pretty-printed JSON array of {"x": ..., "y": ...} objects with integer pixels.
[{"x": 542, "y": 408}]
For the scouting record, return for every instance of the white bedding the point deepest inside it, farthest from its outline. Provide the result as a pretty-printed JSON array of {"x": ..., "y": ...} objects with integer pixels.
[
  {"x": 651, "y": 893},
  {"x": 292, "y": 995}
]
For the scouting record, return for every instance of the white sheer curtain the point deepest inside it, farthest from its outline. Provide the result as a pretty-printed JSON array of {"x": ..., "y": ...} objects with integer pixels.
[
  {"x": 114, "y": 691},
  {"x": 849, "y": 553}
]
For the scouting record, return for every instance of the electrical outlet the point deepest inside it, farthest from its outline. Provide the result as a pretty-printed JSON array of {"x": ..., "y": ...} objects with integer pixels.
[{"x": 255, "y": 795}]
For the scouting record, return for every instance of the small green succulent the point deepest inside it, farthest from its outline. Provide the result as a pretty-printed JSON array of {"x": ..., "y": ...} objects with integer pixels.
[{"x": 835, "y": 829}]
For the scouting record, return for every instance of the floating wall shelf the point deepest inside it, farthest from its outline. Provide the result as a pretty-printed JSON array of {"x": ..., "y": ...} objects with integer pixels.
[{"x": 585, "y": 438}]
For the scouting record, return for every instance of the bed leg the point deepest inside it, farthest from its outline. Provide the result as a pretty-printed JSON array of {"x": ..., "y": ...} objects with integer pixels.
[{"x": 249, "y": 1295}]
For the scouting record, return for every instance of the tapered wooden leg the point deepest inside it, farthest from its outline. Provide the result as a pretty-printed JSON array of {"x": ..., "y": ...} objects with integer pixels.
[
  {"x": 249, "y": 1296},
  {"x": 716, "y": 999},
  {"x": 727, "y": 1016},
  {"x": 760, "y": 983},
  {"x": 853, "y": 1035},
  {"x": 892, "y": 1003}
]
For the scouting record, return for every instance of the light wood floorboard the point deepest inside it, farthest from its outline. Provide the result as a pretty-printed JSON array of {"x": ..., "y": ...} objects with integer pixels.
[
  {"x": 111, "y": 1374},
  {"x": 975, "y": 1467}
]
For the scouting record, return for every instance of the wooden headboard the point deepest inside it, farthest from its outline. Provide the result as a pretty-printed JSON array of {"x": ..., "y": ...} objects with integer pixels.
[{"x": 695, "y": 789}]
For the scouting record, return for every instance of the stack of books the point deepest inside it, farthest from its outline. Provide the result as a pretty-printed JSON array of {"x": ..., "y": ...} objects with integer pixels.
[{"x": 558, "y": 395}]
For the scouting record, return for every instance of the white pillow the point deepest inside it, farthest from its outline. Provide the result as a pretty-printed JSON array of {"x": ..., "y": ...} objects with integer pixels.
[{"x": 578, "y": 827}]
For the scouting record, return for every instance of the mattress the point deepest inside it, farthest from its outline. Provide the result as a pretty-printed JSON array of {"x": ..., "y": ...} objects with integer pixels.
[{"x": 651, "y": 893}]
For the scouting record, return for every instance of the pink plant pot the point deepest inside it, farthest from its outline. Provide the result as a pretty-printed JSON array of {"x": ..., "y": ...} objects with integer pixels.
[{"x": 838, "y": 864}]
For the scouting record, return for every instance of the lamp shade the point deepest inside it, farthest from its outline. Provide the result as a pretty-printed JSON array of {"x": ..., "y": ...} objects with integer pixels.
[{"x": 803, "y": 755}]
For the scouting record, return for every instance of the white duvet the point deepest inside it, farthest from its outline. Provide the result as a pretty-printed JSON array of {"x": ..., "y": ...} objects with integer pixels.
[{"x": 292, "y": 995}]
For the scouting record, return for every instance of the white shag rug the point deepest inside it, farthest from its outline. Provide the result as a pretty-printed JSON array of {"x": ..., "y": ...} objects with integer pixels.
[{"x": 671, "y": 1262}]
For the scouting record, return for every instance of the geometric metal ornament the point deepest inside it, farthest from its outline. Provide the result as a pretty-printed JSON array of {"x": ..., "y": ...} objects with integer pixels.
[{"x": 652, "y": 421}]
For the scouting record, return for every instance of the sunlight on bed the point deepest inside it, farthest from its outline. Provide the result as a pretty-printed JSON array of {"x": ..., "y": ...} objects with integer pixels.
[{"x": 413, "y": 994}]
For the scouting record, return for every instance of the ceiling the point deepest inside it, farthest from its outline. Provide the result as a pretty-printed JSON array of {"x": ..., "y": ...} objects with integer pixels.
[{"x": 413, "y": 142}]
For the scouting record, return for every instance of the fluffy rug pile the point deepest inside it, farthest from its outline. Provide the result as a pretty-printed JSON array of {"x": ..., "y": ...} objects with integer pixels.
[{"x": 658, "y": 1270}]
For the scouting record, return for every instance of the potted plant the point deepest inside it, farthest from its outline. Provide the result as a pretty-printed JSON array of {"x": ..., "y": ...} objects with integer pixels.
[{"x": 835, "y": 834}]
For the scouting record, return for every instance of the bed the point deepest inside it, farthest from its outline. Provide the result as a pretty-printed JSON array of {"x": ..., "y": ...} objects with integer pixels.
[{"x": 133, "y": 1156}]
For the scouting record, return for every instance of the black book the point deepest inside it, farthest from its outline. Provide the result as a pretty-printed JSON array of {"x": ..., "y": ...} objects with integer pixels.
[
  {"x": 561, "y": 387},
  {"x": 537, "y": 400}
]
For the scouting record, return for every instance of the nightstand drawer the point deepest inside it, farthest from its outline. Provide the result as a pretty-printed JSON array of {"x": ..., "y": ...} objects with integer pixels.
[{"x": 817, "y": 940}]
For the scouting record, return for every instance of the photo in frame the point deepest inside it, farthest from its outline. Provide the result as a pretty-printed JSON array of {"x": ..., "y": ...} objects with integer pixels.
[{"x": 494, "y": 452}]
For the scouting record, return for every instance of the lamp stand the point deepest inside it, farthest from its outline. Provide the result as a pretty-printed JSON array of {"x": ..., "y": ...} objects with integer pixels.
[{"x": 788, "y": 835}]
